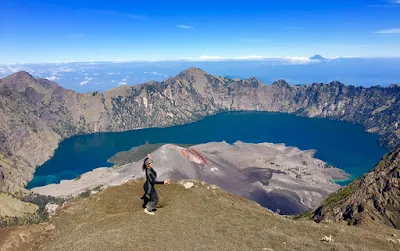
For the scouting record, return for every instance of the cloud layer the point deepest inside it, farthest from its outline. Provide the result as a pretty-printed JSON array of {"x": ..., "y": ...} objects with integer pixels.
[
  {"x": 389, "y": 31},
  {"x": 184, "y": 26}
]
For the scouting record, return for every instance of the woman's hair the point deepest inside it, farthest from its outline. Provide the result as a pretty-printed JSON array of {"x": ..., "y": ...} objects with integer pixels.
[{"x": 144, "y": 165}]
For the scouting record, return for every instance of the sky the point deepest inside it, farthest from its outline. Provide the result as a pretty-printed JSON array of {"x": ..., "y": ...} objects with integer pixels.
[{"x": 35, "y": 31}]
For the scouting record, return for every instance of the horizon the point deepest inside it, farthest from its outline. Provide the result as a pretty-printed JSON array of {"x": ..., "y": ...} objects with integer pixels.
[
  {"x": 89, "y": 31},
  {"x": 204, "y": 58},
  {"x": 215, "y": 75},
  {"x": 101, "y": 76}
]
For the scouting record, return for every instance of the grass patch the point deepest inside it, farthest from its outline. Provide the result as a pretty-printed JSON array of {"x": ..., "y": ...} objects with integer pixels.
[
  {"x": 341, "y": 194},
  {"x": 84, "y": 194},
  {"x": 305, "y": 216}
]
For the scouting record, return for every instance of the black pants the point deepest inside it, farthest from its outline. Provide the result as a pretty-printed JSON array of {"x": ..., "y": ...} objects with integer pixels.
[{"x": 151, "y": 203}]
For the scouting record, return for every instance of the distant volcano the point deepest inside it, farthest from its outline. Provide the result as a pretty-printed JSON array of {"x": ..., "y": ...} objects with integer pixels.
[{"x": 318, "y": 57}]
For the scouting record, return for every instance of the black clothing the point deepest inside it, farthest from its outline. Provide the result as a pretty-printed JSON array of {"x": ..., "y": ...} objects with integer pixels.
[
  {"x": 151, "y": 177},
  {"x": 149, "y": 189}
]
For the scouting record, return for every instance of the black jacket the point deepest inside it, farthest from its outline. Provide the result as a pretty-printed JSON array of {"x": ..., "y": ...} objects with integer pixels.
[{"x": 151, "y": 177}]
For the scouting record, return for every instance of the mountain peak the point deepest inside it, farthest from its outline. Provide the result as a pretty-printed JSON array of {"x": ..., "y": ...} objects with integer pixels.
[
  {"x": 193, "y": 71},
  {"x": 18, "y": 81},
  {"x": 318, "y": 57},
  {"x": 281, "y": 83},
  {"x": 21, "y": 75}
]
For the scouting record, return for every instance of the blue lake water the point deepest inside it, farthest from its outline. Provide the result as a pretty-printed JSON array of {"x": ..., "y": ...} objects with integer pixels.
[{"x": 341, "y": 144}]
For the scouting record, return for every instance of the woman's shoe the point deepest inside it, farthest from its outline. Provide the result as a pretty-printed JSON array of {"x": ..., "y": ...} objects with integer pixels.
[{"x": 148, "y": 212}]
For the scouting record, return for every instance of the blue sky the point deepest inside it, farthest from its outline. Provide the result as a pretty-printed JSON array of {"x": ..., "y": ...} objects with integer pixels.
[{"x": 49, "y": 31}]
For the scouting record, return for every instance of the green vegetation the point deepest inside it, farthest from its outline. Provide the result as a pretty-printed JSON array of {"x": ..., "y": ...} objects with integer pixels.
[
  {"x": 136, "y": 154},
  {"x": 41, "y": 214},
  {"x": 85, "y": 194},
  {"x": 305, "y": 216},
  {"x": 341, "y": 194},
  {"x": 78, "y": 178},
  {"x": 88, "y": 192}
]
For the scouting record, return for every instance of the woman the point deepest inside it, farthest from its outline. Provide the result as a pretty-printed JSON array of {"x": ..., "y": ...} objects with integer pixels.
[{"x": 150, "y": 196}]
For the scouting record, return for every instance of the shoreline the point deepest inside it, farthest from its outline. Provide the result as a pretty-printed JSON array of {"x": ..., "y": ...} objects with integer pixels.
[
  {"x": 271, "y": 169},
  {"x": 105, "y": 134}
]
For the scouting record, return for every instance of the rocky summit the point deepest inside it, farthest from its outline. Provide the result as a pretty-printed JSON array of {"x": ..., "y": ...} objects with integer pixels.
[
  {"x": 36, "y": 114},
  {"x": 375, "y": 197}
]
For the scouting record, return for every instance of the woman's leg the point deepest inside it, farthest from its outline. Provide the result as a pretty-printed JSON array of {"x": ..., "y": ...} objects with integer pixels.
[{"x": 151, "y": 205}]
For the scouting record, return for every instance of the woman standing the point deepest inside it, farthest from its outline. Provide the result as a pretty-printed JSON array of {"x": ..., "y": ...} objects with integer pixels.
[{"x": 150, "y": 194}]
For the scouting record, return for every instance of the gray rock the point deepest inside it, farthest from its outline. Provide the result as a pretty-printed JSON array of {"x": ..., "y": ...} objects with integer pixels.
[{"x": 49, "y": 228}]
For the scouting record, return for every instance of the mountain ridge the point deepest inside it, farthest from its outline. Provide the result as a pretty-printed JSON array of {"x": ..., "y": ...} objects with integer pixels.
[{"x": 38, "y": 114}]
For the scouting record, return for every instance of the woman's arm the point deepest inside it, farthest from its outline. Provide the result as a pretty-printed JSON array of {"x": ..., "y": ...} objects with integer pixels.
[{"x": 153, "y": 181}]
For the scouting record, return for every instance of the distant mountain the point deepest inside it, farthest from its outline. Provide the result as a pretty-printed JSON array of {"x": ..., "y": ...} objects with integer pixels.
[
  {"x": 36, "y": 114},
  {"x": 318, "y": 57},
  {"x": 374, "y": 197}
]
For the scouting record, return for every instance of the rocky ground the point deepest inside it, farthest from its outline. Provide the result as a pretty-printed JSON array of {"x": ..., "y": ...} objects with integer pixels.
[
  {"x": 200, "y": 218},
  {"x": 278, "y": 177}
]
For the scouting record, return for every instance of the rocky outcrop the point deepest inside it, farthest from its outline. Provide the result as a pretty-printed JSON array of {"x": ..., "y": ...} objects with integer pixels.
[
  {"x": 374, "y": 197},
  {"x": 36, "y": 114}
]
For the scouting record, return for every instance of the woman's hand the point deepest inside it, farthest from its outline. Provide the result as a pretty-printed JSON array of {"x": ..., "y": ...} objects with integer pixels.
[{"x": 166, "y": 181}]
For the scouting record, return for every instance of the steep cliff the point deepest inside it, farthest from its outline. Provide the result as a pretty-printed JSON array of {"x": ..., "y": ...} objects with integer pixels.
[{"x": 374, "y": 197}]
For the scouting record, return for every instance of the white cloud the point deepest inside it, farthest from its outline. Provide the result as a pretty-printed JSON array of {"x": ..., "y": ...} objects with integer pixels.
[
  {"x": 156, "y": 73},
  {"x": 184, "y": 26},
  {"x": 75, "y": 78},
  {"x": 389, "y": 31},
  {"x": 210, "y": 57},
  {"x": 287, "y": 60},
  {"x": 297, "y": 60},
  {"x": 95, "y": 74},
  {"x": 116, "y": 13},
  {"x": 53, "y": 78},
  {"x": 113, "y": 81},
  {"x": 122, "y": 83},
  {"x": 111, "y": 73},
  {"x": 87, "y": 80}
]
